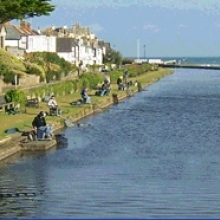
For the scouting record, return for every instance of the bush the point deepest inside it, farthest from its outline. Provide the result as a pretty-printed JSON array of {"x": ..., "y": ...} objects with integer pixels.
[
  {"x": 33, "y": 68},
  {"x": 51, "y": 63},
  {"x": 91, "y": 80},
  {"x": 17, "y": 96},
  {"x": 114, "y": 75}
]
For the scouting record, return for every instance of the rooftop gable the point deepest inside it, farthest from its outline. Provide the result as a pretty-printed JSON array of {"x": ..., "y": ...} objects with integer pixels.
[{"x": 12, "y": 33}]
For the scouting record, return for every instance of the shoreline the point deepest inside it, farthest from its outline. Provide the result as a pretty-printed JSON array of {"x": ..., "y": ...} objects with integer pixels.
[{"x": 10, "y": 146}]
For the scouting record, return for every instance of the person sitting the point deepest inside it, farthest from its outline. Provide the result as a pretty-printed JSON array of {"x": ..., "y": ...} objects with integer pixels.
[
  {"x": 120, "y": 83},
  {"x": 53, "y": 106},
  {"x": 42, "y": 130},
  {"x": 85, "y": 97},
  {"x": 103, "y": 90}
]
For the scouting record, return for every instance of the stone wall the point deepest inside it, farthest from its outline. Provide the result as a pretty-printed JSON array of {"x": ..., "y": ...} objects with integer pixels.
[
  {"x": 1, "y": 85},
  {"x": 29, "y": 80},
  {"x": 16, "y": 51}
]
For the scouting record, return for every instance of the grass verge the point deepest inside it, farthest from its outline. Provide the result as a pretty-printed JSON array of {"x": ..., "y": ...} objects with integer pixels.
[{"x": 23, "y": 120}]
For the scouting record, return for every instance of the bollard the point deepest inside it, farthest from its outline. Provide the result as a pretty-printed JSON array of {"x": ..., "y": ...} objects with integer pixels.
[
  {"x": 115, "y": 99},
  {"x": 139, "y": 87}
]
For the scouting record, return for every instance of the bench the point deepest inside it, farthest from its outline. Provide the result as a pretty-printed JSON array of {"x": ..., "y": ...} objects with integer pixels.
[
  {"x": 32, "y": 102},
  {"x": 5, "y": 106}
]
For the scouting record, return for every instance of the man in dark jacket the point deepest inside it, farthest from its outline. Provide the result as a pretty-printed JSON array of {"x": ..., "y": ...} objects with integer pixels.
[
  {"x": 40, "y": 126},
  {"x": 84, "y": 95}
]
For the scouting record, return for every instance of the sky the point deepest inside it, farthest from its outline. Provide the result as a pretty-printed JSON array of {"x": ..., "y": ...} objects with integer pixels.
[{"x": 161, "y": 28}]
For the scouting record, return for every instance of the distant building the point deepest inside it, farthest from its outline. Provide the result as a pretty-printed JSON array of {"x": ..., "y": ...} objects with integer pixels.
[
  {"x": 140, "y": 61},
  {"x": 155, "y": 61},
  {"x": 170, "y": 62}
]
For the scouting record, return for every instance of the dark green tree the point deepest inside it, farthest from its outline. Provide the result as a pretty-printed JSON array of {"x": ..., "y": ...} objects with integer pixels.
[{"x": 23, "y": 9}]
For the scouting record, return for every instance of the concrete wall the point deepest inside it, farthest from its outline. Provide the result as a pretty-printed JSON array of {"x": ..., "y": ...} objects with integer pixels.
[
  {"x": 16, "y": 51},
  {"x": 29, "y": 80},
  {"x": 1, "y": 85}
]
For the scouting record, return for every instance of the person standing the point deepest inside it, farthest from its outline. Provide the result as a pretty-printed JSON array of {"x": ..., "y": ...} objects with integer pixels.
[{"x": 120, "y": 83}]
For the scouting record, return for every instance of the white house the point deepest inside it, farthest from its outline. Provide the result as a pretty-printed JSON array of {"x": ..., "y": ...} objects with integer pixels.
[
  {"x": 79, "y": 51},
  {"x": 2, "y": 36},
  {"x": 78, "y": 48},
  {"x": 41, "y": 43},
  {"x": 16, "y": 37}
]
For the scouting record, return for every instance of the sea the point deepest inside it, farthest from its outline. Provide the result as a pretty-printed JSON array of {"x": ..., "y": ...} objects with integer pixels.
[{"x": 193, "y": 60}]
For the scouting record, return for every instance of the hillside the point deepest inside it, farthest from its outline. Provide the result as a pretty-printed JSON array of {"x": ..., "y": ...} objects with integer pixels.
[
  {"x": 47, "y": 65},
  {"x": 10, "y": 65}
]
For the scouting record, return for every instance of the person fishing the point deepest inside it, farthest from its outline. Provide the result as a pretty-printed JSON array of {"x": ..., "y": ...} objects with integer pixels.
[
  {"x": 40, "y": 126},
  {"x": 85, "y": 97},
  {"x": 53, "y": 106}
]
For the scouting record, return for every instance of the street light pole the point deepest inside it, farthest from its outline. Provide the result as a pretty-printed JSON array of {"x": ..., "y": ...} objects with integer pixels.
[
  {"x": 78, "y": 57},
  {"x": 144, "y": 50}
]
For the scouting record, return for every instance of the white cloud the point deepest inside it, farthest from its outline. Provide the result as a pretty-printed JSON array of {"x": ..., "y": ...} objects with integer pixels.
[
  {"x": 151, "y": 27},
  {"x": 182, "y": 26},
  {"x": 96, "y": 28}
]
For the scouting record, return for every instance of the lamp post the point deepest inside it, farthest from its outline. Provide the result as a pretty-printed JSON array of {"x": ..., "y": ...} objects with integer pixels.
[
  {"x": 78, "y": 57},
  {"x": 144, "y": 50}
]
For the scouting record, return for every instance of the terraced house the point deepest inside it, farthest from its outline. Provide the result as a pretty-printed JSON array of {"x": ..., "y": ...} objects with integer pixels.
[{"x": 77, "y": 44}]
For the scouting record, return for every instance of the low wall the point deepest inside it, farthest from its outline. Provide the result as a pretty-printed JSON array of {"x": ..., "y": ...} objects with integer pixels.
[
  {"x": 1, "y": 85},
  {"x": 29, "y": 80}
]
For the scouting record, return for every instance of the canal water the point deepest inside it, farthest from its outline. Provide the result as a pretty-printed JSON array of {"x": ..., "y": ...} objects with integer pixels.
[{"x": 155, "y": 155}]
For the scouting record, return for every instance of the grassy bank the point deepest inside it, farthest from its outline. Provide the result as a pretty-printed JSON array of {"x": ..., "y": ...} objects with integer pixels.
[{"x": 23, "y": 120}]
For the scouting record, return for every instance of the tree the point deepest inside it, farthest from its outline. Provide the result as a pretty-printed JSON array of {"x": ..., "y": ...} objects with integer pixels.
[
  {"x": 23, "y": 9},
  {"x": 113, "y": 56}
]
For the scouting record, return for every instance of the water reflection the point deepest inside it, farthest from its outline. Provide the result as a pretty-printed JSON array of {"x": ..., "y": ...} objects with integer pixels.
[{"x": 155, "y": 155}]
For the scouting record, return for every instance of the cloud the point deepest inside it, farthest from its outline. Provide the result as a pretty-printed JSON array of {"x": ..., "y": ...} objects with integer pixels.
[
  {"x": 182, "y": 26},
  {"x": 151, "y": 27},
  {"x": 96, "y": 28},
  {"x": 210, "y": 5}
]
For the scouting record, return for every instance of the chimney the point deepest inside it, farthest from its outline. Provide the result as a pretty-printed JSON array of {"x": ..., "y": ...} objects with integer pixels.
[
  {"x": 39, "y": 31},
  {"x": 22, "y": 24}
]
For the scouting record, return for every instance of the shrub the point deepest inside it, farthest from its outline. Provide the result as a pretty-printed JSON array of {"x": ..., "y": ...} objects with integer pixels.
[
  {"x": 91, "y": 79},
  {"x": 35, "y": 69},
  {"x": 52, "y": 64},
  {"x": 17, "y": 96},
  {"x": 114, "y": 75}
]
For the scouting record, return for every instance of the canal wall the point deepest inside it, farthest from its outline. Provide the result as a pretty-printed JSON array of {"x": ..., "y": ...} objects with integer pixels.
[{"x": 190, "y": 66}]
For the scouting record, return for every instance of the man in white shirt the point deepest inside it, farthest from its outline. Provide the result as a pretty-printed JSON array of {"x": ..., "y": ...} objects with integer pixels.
[{"x": 53, "y": 106}]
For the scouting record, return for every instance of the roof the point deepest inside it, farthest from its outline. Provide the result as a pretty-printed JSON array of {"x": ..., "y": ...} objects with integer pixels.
[
  {"x": 15, "y": 33},
  {"x": 12, "y": 33},
  {"x": 65, "y": 44}
]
